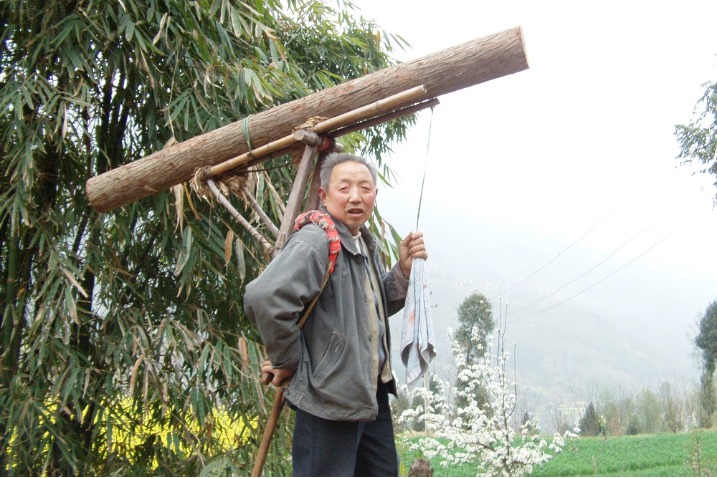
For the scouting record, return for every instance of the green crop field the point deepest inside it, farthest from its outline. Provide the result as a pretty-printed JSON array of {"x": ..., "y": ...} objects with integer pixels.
[{"x": 686, "y": 454}]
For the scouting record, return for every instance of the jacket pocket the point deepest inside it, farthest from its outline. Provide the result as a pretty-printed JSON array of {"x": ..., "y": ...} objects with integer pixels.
[{"x": 331, "y": 356}]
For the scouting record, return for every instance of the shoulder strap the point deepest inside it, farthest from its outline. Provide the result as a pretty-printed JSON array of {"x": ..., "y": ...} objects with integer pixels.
[{"x": 327, "y": 224}]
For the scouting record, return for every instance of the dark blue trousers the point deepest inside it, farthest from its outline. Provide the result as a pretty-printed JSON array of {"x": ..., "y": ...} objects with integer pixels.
[{"x": 345, "y": 448}]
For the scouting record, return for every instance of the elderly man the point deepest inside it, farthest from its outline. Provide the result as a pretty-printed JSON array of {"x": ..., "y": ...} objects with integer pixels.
[{"x": 338, "y": 366}]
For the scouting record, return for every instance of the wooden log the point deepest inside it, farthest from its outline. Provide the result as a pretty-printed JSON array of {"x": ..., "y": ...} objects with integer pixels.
[{"x": 452, "y": 69}]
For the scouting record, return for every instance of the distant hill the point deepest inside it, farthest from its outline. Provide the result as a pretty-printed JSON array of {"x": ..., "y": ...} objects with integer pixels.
[{"x": 632, "y": 331}]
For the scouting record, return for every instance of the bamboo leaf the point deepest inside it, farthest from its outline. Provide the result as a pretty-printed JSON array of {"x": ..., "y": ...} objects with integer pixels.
[
  {"x": 274, "y": 52},
  {"x": 228, "y": 246},
  {"x": 203, "y": 364},
  {"x": 241, "y": 261},
  {"x": 228, "y": 364},
  {"x": 129, "y": 29},
  {"x": 236, "y": 24},
  {"x": 185, "y": 251},
  {"x": 178, "y": 191},
  {"x": 161, "y": 29},
  {"x": 70, "y": 307},
  {"x": 27, "y": 97},
  {"x": 74, "y": 282},
  {"x": 169, "y": 334}
]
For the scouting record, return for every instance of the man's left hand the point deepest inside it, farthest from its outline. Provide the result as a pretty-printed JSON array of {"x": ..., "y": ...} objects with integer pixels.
[{"x": 412, "y": 247}]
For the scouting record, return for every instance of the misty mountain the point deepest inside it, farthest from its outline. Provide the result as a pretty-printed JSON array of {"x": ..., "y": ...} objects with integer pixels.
[{"x": 632, "y": 330}]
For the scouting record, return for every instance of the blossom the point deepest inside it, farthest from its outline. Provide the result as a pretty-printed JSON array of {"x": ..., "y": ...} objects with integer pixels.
[{"x": 476, "y": 432}]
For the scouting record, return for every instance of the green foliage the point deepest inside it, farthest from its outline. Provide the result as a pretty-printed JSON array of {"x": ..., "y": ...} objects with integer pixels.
[
  {"x": 650, "y": 417},
  {"x": 671, "y": 409},
  {"x": 686, "y": 454},
  {"x": 476, "y": 323},
  {"x": 474, "y": 311},
  {"x": 590, "y": 422},
  {"x": 641, "y": 455},
  {"x": 144, "y": 302},
  {"x": 706, "y": 341},
  {"x": 698, "y": 139},
  {"x": 408, "y": 456}
]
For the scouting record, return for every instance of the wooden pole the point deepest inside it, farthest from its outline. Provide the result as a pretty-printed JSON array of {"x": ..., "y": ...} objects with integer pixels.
[
  {"x": 298, "y": 190},
  {"x": 330, "y": 124},
  {"x": 452, "y": 69},
  {"x": 293, "y": 206},
  {"x": 268, "y": 432}
]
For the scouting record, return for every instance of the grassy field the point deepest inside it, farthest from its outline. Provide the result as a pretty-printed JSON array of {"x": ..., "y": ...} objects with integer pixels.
[{"x": 688, "y": 454}]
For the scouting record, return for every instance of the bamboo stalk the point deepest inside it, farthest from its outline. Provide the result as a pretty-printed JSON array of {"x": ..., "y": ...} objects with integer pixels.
[
  {"x": 343, "y": 120},
  {"x": 239, "y": 218},
  {"x": 376, "y": 108},
  {"x": 392, "y": 115},
  {"x": 260, "y": 212}
]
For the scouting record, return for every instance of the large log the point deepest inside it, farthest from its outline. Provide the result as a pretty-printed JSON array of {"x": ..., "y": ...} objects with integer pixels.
[{"x": 452, "y": 69}]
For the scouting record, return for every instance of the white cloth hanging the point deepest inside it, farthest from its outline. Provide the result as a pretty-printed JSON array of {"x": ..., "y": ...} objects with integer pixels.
[{"x": 417, "y": 340}]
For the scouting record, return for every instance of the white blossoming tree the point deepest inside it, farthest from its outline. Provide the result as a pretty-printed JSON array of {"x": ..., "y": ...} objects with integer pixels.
[{"x": 482, "y": 433}]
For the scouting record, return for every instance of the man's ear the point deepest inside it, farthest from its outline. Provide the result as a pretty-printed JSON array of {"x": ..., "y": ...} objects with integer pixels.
[{"x": 322, "y": 194}]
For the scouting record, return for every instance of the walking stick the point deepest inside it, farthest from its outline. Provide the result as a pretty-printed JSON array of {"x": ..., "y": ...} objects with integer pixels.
[
  {"x": 279, "y": 398},
  {"x": 279, "y": 401}
]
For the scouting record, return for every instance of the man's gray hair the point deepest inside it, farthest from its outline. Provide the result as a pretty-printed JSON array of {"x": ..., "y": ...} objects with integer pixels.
[{"x": 337, "y": 158}]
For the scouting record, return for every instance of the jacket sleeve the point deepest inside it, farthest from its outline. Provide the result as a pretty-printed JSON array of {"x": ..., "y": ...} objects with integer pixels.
[
  {"x": 275, "y": 300},
  {"x": 396, "y": 287}
]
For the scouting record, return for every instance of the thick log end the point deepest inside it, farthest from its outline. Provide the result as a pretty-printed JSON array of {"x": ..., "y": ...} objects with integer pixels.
[
  {"x": 519, "y": 30},
  {"x": 101, "y": 202}
]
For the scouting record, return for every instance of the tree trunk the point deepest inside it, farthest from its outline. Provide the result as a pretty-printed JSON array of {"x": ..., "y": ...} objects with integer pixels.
[{"x": 443, "y": 72}]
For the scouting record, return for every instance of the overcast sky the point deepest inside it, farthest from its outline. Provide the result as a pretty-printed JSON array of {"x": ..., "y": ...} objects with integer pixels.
[
  {"x": 578, "y": 150},
  {"x": 584, "y": 137}
]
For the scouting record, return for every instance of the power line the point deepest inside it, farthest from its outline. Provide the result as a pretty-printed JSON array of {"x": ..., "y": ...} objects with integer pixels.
[
  {"x": 554, "y": 258},
  {"x": 584, "y": 273},
  {"x": 601, "y": 280}
]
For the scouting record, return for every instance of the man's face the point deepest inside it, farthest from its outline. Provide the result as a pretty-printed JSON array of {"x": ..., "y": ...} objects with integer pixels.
[{"x": 351, "y": 194}]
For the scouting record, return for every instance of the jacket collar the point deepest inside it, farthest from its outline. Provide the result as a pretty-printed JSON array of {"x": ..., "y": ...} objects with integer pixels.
[{"x": 347, "y": 239}]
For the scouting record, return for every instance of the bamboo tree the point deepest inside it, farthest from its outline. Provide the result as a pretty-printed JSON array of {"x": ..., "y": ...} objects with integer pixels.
[
  {"x": 114, "y": 325},
  {"x": 698, "y": 139}
]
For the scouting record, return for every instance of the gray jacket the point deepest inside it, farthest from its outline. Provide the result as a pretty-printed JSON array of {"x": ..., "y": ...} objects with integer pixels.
[{"x": 335, "y": 355}]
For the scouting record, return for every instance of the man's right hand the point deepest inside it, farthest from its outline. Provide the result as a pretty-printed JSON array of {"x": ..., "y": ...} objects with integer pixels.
[{"x": 275, "y": 376}]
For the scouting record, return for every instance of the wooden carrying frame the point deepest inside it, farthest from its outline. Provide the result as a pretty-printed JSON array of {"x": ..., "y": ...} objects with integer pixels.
[{"x": 320, "y": 135}]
